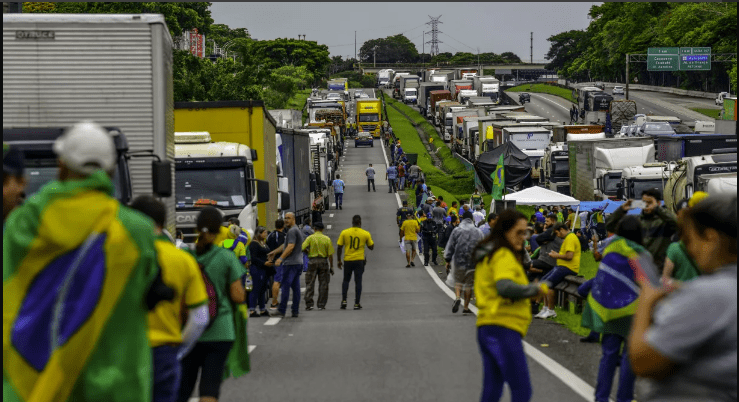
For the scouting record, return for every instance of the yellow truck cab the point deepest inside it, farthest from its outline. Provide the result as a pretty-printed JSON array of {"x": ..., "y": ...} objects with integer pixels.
[
  {"x": 369, "y": 116},
  {"x": 218, "y": 174}
]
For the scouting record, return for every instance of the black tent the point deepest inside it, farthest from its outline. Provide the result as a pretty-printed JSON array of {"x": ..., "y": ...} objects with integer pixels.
[{"x": 517, "y": 165}]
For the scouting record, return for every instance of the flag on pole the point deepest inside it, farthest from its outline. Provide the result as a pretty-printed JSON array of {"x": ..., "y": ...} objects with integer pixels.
[{"x": 498, "y": 177}]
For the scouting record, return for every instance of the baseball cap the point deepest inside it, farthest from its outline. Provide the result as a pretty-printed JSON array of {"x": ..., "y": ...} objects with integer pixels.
[
  {"x": 13, "y": 160},
  {"x": 86, "y": 147},
  {"x": 233, "y": 231},
  {"x": 428, "y": 215}
]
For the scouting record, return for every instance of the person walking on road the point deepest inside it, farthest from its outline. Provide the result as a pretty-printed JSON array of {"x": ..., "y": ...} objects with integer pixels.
[
  {"x": 502, "y": 292},
  {"x": 390, "y": 175},
  {"x": 392, "y": 153},
  {"x": 458, "y": 257},
  {"x": 403, "y": 213},
  {"x": 429, "y": 231},
  {"x": 338, "y": 185},
  {"x": 169, "y": 341},
  {"x": 684, "y": 338},
  {"x": 409, "y": 236},
  {"x": 354, "y": 239},
  {"x": 401, "y": 177},
  {"x": 370, "y": 173},
  {"x": 74, "y": 232},
  {"x": 223, "y": 270},
  {"x": 291, "y": 258},
  {"x": 259, "y": 269},
  {"x": 320, "y": 264},
  {"x": 274, "y": 241}
]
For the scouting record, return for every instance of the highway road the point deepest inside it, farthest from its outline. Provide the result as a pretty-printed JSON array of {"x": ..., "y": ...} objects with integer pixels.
[{"x": 405, "y": 344}]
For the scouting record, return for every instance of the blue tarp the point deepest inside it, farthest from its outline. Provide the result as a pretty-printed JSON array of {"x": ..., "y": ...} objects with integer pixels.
[{"x": 610, "y": 206}]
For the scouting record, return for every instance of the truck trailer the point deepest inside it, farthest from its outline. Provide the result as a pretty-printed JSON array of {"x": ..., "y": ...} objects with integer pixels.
[
  {"x": 295, "y": 156},
  {"x": 287, "y": 118},
  {"x": 424, "y": 95},
  {"x": 110, "y": 68},
  {"x": 369, "y": 116},
  {"x": 709, "y": 173},
  {"x": 436, "y": 96},
  {"x": 596, "y": 165},
  {"x": 676, "y": 147}
]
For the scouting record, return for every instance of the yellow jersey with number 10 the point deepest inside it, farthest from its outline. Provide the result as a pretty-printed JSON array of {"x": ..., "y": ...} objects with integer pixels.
[{"x": 354, "y": 239}]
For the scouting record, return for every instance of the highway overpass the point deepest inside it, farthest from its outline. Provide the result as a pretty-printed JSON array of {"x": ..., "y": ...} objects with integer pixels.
[{"x": 368, "y": 69}]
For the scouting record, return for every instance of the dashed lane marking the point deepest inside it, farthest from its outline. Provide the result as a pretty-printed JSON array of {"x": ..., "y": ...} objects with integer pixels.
[
  {"x": 330, "y": 215},
  {"x": 272, "y": 321},
  {"x": 328, "y": 227}
]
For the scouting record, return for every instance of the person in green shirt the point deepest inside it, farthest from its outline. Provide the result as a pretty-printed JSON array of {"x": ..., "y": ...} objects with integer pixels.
[
  {"x": 320, "y": 264},
  {"x": 223, "y": 270}
]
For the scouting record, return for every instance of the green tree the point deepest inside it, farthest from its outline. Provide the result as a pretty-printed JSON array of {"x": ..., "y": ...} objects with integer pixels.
[
  {"x": 393, "y": 49},
  {"x": 273, "y": 54}
]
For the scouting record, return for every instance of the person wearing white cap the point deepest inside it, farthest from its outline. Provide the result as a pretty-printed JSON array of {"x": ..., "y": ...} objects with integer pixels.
[{"x": 84, "y": 149}]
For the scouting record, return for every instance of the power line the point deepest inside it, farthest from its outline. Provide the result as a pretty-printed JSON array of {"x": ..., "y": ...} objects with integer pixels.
[{"x": 457, "y": 40}]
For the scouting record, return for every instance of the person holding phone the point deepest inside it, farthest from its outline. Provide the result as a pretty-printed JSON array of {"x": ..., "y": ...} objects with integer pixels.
[
  {"x": 686, "y": 343},
  {"x": 658, "y": 224}
]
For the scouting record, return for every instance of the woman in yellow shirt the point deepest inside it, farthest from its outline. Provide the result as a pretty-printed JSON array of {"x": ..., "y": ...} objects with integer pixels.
[{"x": 504, "y": 312}]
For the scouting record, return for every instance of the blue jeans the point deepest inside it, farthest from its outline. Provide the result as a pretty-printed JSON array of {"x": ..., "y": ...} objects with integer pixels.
[
  {"x": 611, "y": 345},
  {"x": 391, "y": 184},
  {"x": 290, "y": 280},
  {"x": 401, "y": 186},
  {"x": 259, "y": 283},
  {"x": 339, "y": 199},
  {"x": 167, "y": 373},
  {"x": 503, "y": 361}
]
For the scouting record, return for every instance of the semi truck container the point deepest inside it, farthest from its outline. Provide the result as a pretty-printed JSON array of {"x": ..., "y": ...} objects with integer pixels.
[
  {"x": 424, "y": 98},
  {"x": 596, "y": 165},
  {"x": 458, "y": 141},
  {"x": 219, "y": 174},
  {"x": 487, "y": 86},
  {"x": 338, "y": 84},
  {"x": 241, "y": 122},
  {"x": 323, "y": 165},
  {"x": 287, "y": 118},
  {"x": 442, "y": 76},
  {"x": 436, "y": 96},
  {"x": 369, "y": 116},
  {"x": 439, "y": 112},
  {"x": 296, "y": 167},
  {"x": 457, "y": 85},
  {"x": 113, "y": 69},
  {"x": 676, "y": 147},
  {"x": 532, "y": 141},
  {"x": 554, "y": 168},
  {"x": 459, "y": 73}
]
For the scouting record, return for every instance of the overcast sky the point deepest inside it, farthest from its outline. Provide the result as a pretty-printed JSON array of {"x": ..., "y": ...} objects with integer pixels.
[{"x": 493, "y": 27}]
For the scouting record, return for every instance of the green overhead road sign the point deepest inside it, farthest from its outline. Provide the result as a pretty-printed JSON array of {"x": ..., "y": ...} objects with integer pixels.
[
  {"x": 662, "y": 63},
  {"x": 679, "y": 59}
]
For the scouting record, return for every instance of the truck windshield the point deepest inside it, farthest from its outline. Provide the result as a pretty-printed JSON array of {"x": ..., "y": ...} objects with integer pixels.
[
  {"x": 560, "y": 167},
  {"x": 448, "y": 121},
  {"x": 38, "y": 176},
  {"x": 218, "y": 187},
  {"x": 610, "y": 181},
  {"x": 410, "y": 91},
  {"x": 637, "y": 187},
  {"x": 368, "y": 118}
]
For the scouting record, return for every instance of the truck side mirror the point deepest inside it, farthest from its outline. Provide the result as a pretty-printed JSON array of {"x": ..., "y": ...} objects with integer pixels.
[
  {"x": 262, "y": 191},
  {"x": 161, "y": 178},
  {"x": 284, "y": 201}
]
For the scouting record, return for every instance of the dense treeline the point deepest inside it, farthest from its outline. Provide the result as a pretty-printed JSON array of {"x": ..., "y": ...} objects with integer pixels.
[
  {"x": 599, "y": 52},
  {"x": 271, "y": 70}
]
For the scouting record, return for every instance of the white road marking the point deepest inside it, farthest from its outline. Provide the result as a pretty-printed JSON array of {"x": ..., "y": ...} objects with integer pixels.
[
  {"x": 302, "y": 290},
  {"x": 569, "y": 378},
  {"x": 330, "y": 215},
  {"x": 328, "y": 227},
  {"x": 333, "y": 204},
  {"x": 252, "y": 347},
  {"x": 272, "y": 321}
]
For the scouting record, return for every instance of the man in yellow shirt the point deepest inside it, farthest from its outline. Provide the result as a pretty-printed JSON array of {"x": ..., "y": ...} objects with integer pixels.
[
  {"x": 180, "y": 271},
  {"x": 453, "y": 209},
  {"x": 409, "y": 230},
  {"x": 568, "y": 263},
  {"x": 320, "y": 264},
  {"x": 355, "y": 238}
]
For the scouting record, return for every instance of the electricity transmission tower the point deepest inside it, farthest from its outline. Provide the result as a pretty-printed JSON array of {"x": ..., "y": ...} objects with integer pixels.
[{"x": 434, "y": 35}]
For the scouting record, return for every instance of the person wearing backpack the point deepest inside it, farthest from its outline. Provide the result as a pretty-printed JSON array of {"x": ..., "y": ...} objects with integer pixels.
[
  {"x": 221, "y": 272},
  {"x": 169, "y": 342}
]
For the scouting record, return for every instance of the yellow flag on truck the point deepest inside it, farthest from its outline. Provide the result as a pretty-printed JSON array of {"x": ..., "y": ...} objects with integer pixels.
[{"x": 489, "y": 133}]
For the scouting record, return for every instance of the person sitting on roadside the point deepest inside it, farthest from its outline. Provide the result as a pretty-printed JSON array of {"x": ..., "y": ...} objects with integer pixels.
[{"x": 568, "y": 263}]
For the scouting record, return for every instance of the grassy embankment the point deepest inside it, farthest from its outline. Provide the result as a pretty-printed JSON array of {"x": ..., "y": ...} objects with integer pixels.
[
  {"x": 711, "y": 113},
  {"x": 545, "y": 89}
]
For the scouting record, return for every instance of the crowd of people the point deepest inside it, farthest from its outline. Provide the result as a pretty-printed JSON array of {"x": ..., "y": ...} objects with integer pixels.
[{"x": 151, "y": 316}]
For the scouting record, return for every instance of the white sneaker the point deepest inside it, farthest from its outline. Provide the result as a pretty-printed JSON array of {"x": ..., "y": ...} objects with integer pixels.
[
  {"x": 542, "y": 312},
  {"x": 550, "y": 314}
]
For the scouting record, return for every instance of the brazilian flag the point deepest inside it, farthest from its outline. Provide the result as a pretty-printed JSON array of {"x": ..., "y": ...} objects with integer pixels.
[
  {"x": 612, "y": 301},
  {"x": 498, "y": 177},
  {"x": 76, "y": 269}
]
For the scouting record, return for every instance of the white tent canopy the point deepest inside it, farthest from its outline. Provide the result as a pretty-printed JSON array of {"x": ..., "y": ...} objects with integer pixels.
[{"x": 540, "y": 196}]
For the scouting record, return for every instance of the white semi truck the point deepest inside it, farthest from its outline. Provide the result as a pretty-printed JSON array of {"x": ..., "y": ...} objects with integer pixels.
[
  {"x": 709, "y": 173},
  {"x": 636, "y": 179},
  {"x": 218, "y": 174}
]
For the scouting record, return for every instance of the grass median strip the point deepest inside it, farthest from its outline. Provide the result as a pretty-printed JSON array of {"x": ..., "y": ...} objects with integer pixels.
[
  {"x": 712, "y": 113},
  {"x": 545, "y": 89}
]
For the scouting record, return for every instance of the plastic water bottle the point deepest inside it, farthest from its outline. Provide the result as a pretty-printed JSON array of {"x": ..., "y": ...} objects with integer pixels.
[{"x": 248, "y": 283}]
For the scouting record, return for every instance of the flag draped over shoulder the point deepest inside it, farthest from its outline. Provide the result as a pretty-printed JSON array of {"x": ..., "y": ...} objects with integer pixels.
[
  {"x": 612, "y": 301},
  {"x": 237, "y": 362},
  {"x": 498, "y": 177},
  {"x": 76, "y": 268}
]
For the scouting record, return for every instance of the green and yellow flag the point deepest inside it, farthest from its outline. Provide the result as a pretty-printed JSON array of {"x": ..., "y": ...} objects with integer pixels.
[
  {"x": 76, "y": 269},
  {"x": 498, "y": 177}
]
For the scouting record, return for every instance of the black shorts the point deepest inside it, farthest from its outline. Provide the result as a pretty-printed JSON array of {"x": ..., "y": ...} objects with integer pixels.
[{"x": 211, "y": 358}]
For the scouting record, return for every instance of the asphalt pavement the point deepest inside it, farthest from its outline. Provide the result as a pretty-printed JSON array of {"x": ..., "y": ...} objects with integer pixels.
[{"x": 404, "y": 345}]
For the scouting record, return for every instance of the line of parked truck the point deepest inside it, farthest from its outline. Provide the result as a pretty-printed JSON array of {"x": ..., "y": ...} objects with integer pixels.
[
  {"x": 250, "y": 163},
  {"x": 574, "y": 159}
]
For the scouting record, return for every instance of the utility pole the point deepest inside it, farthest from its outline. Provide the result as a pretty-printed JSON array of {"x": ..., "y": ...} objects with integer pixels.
[
  {"x": 627, "y": 77},
  {"x": 531, "y": 56},
  {"x": 434, "y": 35},
  {"x": 374, "y": 57},
  {"x": 423, "y": 50},
  {"x": 355, "y": 46}
]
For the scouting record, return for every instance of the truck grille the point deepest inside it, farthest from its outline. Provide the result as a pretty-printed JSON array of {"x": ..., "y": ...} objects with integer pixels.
[{"x": 368, "y": 127}]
